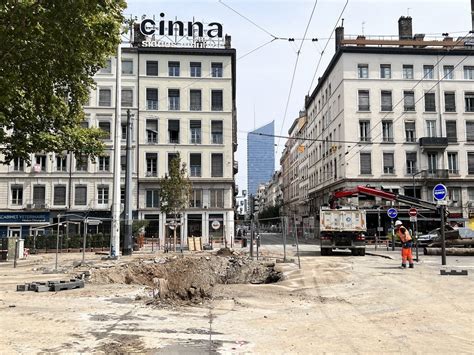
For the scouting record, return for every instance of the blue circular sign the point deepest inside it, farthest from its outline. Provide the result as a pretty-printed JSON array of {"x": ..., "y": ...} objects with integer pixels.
[
  {"x": 392, "y": 212},
  {"x": 440, "y": 192}
]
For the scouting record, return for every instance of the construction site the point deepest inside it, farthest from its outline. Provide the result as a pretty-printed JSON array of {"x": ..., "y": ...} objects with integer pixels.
[{"x": 290, "y": 300}]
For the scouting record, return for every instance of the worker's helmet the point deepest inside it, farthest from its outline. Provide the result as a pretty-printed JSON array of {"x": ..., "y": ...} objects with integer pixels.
[{"x": 398, "y": 224}]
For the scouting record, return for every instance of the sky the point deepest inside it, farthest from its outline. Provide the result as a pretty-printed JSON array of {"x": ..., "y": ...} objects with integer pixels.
[{"x": 264, "y": 77}]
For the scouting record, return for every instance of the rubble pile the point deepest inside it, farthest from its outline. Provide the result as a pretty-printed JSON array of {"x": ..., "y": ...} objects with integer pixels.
[{"x": 188, "y": 278}]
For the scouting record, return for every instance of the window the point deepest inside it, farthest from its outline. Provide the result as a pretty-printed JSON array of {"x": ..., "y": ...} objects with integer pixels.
[
  {"x": 152, "y": 68},
  {"x": 124, "y": 131},
  {"x": 363, "y": 71},
  {"x": 153, "y": 198},
  {"x": 107, "y": 69},
  {"x": 387, "y": 131},
  {"x": 195, "y": 130},
  {"x": 386, "y": 100},
  {"x": 454, "y": 196},
  {"x": 59, "y": 198},
  {"x": 81, "y": 163},
  {"x": 364, "y": 129},
  {"x": 123, "y": 163},
  {"x": 151, "y": 164},
  {"x": 411, "y": 163},
  {"x": 469, "y": 101},
  {"x": 431, "y": 128},
  {"x": 432, "y": 163},
  {"x": 39, "y": 195},
  {"x": 388, "y": 163},
  {"x": 17, "y": 195},
  {"x": 217, "y": 132},
  {"x": 470, "y": 163},
  {"x": 173, "y": 131},
  {"x": 104, "y": 163},
  {"x": 469, "y": 72},
  {"x": 216, "y": 70},
  {"x": 173, "y": 68},
  {"x": 216, "y": 100},
  {"x": 127, "y": 97},
  {"x": 470, "y": 131},
  {"x": 448, "y": 72},
  {"x": 410, "y": 131},
  {"x": 407, "y": 71},
  {"x": 430, "y": 102},
  {"x": 40, "y": 163},
  {"x": 365, "y": 163},
  {"x": 195, "y": 164},
  {"x": 364, "y": 102},
  {"x": 217, "y": 165},
  {"x": 80, "y": 195},
  {"x": 453, "y": 163},
  {"x": 217, "y": 198},
  {"x": 451, "y": 131},
  {"x": 409, "y": 100},
  {"x": 152, "y": 99},
  {"x": 428, "y": 72},
  {"x": 127, "y": 66},
  {"x": 195, "y": 69},
  {"x": 195, "y": 100},
  {"x": 105, "y": 127},
  {"x": 171, "y": 157},
  {"x": 152, "y": 131},
  {"x": 449, "y": 102},
  {"x": 18, "y": 164},
  {"x": 105, "y": 97},
  {"x": 102, "y": 194},
  {"x": 173, "y": 99},
  {"x": 122, "y": 194},
  {"x": 385, "y": 71},
  {"x": 61, "y": 163},
  {"x": 195, "y": 198}
]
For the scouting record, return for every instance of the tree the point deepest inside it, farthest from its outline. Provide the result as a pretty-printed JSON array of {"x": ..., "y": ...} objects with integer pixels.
[
  {"x": 49, "y": 52},
  {"x": 175, "y": 192}
]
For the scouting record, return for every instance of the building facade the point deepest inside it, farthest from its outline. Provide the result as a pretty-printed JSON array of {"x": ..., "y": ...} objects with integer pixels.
[
  {"x": 260, "y": 156},
  {"x": 182, "y": 102},
  {"x": 397, "y": 115}
]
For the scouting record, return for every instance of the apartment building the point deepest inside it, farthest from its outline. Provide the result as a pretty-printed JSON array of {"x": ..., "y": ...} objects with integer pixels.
[
  {"x": 182, "y": 102},
  {"x": 396, "y": 115}
]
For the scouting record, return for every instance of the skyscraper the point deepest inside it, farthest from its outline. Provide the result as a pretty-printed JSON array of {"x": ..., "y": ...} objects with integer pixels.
[{"x": 260, "y": 156}]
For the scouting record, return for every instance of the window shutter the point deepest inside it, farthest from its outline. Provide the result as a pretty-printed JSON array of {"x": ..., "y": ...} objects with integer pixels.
[
  {"x": 386, "y": 99},
  {"x": 152, "y": 94},
  {"x": 470, "y": 163},
  {"x": 451, "y": 131},
  {"x": 195, "y": 124},
  {"x": 411, "y": 156},
  {"x": 470, "y": 131},
  {"x": 173, "y": 125},
  {"x": 217, "y": 126},
  {"x": 152, "y": 125},
  {"x": 365, "y": 163},
  {"x": 388, "y": 160},
  {"x": 152, "y": 67},
  {"x": 217, "y": 165}
]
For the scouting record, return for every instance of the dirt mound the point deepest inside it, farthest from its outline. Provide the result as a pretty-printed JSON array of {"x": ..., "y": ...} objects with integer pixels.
[{"x": 188, "y": 278}]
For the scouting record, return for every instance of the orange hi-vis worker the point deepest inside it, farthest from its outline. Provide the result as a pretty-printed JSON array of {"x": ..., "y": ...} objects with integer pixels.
[{"x": 407, "y": 243}]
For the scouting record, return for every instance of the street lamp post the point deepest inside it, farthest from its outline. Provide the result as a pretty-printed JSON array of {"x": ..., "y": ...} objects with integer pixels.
[{"x": 415, "y": 224}]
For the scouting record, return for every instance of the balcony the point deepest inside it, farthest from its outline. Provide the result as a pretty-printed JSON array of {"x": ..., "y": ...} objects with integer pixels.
[
  {"x": 435, "y": 174},
  {"x": 236, "y": 167},
  {"x": 438, "y": 143}
]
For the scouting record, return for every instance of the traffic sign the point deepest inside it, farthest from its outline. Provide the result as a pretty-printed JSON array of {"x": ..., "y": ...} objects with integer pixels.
[
  {"x": 412, "y": 212},
  {"x": 215, "y": 224},
  {"x": 392, "y": 213},
  {"x": 440, "y": 192},
  {"x": 413, "y": 218}
]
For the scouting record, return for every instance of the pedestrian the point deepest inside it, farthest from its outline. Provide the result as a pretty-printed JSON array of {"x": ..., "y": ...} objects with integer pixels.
[{"x": 407, "y": 244}]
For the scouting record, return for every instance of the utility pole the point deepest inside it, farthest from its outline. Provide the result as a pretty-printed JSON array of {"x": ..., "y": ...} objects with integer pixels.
[
  {"x": 127, "y": 241},
  {"x": 115, "y": 233},
  {"x": 442, "y": 211}
]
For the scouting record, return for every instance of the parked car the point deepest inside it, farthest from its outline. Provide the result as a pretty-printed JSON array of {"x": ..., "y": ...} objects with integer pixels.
[{"x": 425, "y": 239}]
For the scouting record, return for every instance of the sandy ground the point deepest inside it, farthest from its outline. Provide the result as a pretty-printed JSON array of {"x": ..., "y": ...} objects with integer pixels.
[{"x": 337, "y": 304}]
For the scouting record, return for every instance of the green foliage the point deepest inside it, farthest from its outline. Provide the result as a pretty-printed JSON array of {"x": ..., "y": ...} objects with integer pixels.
[
  {"x": 270, "y": 212},
  {"x": 139, "y": 224},
  {"x": 48, "y": 242},
  {"x": 175, "y": 189},
  {"x": 49, "y": 52}
]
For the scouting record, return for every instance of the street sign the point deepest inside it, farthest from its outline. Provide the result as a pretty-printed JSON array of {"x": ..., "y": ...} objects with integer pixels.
[
  {"x": 440, "y": 192},
  {"x": 412, "y": 212},
  {"x": 392, "y": 213},
  {"x": 215, "y": 224},
  {"x": 413, "y": 218}
]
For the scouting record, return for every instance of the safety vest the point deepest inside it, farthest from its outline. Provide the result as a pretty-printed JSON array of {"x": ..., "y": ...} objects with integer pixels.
[{"x": 404, "y": 236}]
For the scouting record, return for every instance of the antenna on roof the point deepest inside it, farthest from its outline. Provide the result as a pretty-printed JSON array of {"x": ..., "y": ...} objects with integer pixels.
[
  {"x": 408, "y": 11},
  {"x": 363, "y": 27}
]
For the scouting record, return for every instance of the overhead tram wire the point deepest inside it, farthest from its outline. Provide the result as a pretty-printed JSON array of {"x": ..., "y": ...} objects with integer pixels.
[
  {"x": 325, "y": 46},
  {"x": 298, "y": 138},
  {"x": 403, "y": 113},
  {"x": 294, "y": 71},
  {"x": 461, "y": 39}
]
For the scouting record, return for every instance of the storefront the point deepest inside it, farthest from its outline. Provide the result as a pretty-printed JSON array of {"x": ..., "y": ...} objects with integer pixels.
[{"x": 22, "y": 224}]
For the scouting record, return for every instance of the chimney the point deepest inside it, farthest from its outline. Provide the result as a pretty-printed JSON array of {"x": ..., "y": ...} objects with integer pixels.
[
  {"x": 227, "y": 40},
  {"x": 339, "y": 36},
  {"x": 138, "y": 37},
  {"x": 404, "y": 28}
]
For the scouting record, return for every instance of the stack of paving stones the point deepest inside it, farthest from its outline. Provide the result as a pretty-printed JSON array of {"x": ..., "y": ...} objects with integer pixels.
[{"x": 51, "y": 286}]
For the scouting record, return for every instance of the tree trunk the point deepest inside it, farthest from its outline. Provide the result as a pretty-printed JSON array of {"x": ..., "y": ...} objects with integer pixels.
[
  {"x": 453, "y": 243},
  {"x": 450, "y": 251}
]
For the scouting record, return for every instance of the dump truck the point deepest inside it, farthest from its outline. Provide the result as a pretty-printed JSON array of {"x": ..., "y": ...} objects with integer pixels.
[{"x": 342, "y": 228}]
